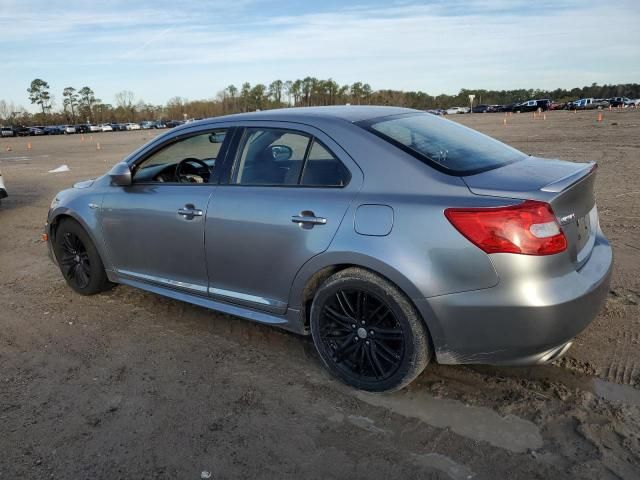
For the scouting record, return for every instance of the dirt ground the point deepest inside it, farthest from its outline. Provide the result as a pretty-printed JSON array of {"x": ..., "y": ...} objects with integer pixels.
[{"x": 131, "y": 385}]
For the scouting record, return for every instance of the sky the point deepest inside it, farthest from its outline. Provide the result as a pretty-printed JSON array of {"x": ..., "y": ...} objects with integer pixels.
[{"x": 160, "y": 49}]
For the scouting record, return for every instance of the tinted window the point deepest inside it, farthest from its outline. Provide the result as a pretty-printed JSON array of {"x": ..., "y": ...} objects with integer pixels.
[
  {"x": 322, "y": 169},
  {"x": 270, "y": 157},
  {"x": 444, "y": 143}
]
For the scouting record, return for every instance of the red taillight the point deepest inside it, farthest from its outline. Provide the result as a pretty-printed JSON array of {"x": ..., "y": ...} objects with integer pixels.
[{"x": 529, "y": 228}]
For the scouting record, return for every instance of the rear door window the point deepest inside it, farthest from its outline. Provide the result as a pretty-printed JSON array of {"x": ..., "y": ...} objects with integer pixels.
[
  {"x": 322, "y": 169},
  {"x": 278, "y": 157}
]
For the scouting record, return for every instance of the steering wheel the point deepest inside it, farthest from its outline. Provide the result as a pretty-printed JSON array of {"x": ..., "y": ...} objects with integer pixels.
[{"x": 182, "y": 178}]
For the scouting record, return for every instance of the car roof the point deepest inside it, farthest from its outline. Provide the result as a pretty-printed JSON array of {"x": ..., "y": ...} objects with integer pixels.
[{"x": 349, "y": 113}]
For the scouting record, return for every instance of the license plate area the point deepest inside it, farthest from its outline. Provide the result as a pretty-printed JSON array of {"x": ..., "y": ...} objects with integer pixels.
[{"x": 586, "y": 235}]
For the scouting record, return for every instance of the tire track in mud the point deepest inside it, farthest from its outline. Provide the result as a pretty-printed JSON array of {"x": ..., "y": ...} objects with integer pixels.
[{"x": 623, "y": 368}]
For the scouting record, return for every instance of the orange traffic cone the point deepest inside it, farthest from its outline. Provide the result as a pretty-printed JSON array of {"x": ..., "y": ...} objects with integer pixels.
[
  {"x": 504, "y": 121},
  {"x": 82, "y": 138},
  {"x": 544, "y": 116},
  {"x": 29, "y": 146},
  {"x": 8, "y": 148},
  {"x": 599, "y": 116},
  {"x": 98, "y": 147}
]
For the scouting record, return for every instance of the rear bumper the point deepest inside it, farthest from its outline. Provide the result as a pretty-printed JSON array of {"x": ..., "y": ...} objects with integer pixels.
[{"x": 525, "y": 319}]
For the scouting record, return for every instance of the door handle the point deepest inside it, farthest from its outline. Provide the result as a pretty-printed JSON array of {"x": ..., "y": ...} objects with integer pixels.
[
  {"x": 189, "y": 211},
  {"x": 308, "y": 218}
]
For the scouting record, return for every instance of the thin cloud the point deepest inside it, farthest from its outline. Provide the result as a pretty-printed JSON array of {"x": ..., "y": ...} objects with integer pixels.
[{"x": 437, "y": 47}]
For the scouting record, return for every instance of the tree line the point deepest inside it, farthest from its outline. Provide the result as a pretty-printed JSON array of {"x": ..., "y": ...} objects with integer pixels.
[{"x": 82, "y": 106}]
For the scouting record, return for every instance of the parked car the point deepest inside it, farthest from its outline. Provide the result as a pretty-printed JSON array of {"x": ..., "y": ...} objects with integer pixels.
[
  {"x": 558, "y": 105},
  {"x": 533, "y": 106},
  {"x": 160, "y": 124},
  {"x": 620, "y": 102},
  {"x": 147, "y": 125},
  {"x": 94, "y": 128},
  {"x": 456, "y": 110},
  {"x": 53, "y": 130},
  {"x": 82, "y": 128},
  {"x": 36, "y": 131},
  {"x": 590, "y": 104},
  {"x": 132, "y": 126},
  {"x": 466, "y": 251},
  {"x": 436, "y": 111},
  {"x": 7, "y": 132},
  {"x": 105, "y": 127},
  {"x": 118, "y": 127},
  {"x": 174, "y": 123},
  {"x": 21, "y": 131},
  {"x": 3, "y": 190},
  {"x": 508, "y": 108},
  {"x": 482, "y": 109}
]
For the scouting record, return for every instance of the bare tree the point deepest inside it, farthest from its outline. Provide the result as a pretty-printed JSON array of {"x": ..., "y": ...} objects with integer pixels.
[{"x": 126, "y": 100}]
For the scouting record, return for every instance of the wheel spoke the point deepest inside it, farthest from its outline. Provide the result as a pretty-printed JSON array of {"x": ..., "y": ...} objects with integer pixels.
[
  {"x": 386, "y": 353},
  {"x": 336, "y": 334},
  {"x": 82, "y": 278},
  {"x": 376, "y": 360},
  {"x": 67, "y": 260},
  {"x": 378, "y": 316},
  {"x": 342, "y": 353},
  {"x": 66, "y": 243},
  {"x": 361, "y": 358},
  {"x": 388, "y": 333},
  {"x": 73, "y": 271},
  {"x": 375, "y": 312},
  {"x": 338, "y": 318},
  {"x": 345, "y": 304},
  {"x": 377, "y": 371}
]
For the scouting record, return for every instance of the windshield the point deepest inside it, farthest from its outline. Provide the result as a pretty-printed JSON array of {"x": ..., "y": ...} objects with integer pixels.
[{"x": 444, "y": 144}]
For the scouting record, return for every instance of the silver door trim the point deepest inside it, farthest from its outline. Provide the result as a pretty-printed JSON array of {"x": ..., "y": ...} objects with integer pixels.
[
  {"x": 245, "y": 297},
  {"x": 165, "y": 281}
]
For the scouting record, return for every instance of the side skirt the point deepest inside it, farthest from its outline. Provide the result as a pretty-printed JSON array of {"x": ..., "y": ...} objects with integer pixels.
[{"x": 289, "y": 321}]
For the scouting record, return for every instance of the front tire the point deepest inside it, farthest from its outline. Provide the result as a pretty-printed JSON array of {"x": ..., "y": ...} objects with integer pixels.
[
  {"x": 367, "y": 332},
  {"x": 78, "y": 259}
]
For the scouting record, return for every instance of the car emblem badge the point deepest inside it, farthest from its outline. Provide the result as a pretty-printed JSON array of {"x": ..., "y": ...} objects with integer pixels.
[{"x": 567, "y": 219}]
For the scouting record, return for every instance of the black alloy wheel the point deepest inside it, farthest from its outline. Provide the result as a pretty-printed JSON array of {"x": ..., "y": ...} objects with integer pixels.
[
  {"x": 367, "y": 332},
  {"x": 78, "y": 258},
  {"x": 74, "y": 261},
  {"x": 362, "y": 335}
]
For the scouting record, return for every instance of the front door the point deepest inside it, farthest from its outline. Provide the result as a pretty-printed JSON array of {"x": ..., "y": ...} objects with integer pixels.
[
  {"x": 154, "y": 229},
  {"x": 284, "y": 200}
]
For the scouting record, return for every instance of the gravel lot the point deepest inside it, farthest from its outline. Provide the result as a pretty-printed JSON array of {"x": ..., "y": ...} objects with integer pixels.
[{"x": 127, "y": 384}]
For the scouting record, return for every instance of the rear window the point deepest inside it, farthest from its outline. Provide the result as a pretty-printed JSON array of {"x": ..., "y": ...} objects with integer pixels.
[{"x": 444, "y": 144}]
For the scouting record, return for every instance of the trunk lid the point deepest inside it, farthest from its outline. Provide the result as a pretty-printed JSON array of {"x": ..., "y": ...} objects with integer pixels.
[{"x": 568, "y": 187}]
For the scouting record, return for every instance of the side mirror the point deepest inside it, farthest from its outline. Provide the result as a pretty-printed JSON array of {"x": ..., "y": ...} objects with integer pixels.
[
  {"x": 120, "y": 174},
  {"x": 281, "y": 153}
]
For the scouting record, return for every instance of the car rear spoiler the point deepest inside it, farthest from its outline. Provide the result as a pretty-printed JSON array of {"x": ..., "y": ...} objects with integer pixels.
[{"x": 562, "y": 184}]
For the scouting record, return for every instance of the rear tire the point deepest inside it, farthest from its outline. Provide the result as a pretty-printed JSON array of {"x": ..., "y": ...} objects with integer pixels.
[
  {"x": 367, "y": 332},
  {"x": 78, "y": 258}
]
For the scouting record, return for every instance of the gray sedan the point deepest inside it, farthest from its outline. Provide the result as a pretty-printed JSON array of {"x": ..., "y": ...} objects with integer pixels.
[{"x": 392, "y": 236}]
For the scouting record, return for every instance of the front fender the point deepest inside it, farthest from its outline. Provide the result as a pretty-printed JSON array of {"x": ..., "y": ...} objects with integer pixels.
[{"x": 84, "y": 209}]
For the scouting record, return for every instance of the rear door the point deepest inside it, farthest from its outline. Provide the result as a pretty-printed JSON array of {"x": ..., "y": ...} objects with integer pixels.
[{"x": 286, "y": 191}]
